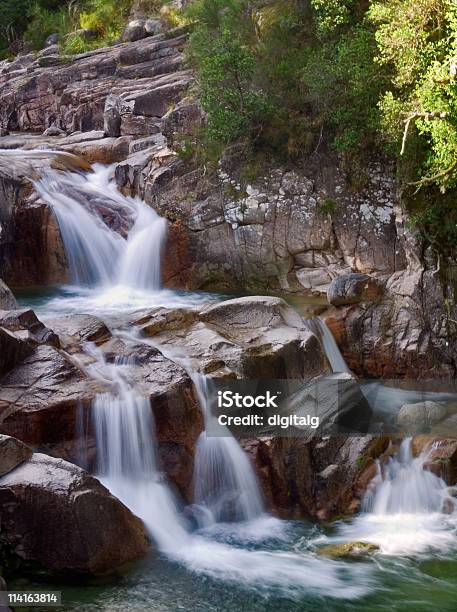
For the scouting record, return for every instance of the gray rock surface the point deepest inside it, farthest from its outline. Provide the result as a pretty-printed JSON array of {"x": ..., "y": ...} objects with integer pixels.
[{"x": 12, "y": 453}]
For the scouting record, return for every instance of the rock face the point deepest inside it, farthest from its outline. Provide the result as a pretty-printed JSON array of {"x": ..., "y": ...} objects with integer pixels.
[
  {"x": 70, "y": 92},
  {"x": 317, "y": 479},
  {"x": 57, "y": 517}
]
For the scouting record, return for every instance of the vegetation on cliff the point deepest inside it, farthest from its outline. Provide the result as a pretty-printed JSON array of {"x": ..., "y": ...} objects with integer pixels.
[{"x": 352, "y": 75}]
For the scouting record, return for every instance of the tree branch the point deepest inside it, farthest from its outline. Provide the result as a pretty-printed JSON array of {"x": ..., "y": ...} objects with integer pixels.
[{"x": 413, "y": 117}]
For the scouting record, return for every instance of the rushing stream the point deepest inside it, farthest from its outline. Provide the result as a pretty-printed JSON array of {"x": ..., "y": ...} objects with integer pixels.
[{"x": 224, "y": 552}]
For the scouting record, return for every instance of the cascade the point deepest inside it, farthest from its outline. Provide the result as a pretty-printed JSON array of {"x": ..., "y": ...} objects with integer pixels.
[
  {"x": 320, "y": 329},
  {"x": 109, "y": 239}
]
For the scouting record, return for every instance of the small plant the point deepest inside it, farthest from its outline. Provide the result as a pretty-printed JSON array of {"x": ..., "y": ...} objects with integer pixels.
[{"x": 327, "y": 207}]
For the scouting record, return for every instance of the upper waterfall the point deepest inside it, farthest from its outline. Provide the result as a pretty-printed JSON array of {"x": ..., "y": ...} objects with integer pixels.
[{"x": 109, "y": 239}]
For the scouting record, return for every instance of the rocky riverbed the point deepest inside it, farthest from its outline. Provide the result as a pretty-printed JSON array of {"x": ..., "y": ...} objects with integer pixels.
[{"x": 295, "y": 231}]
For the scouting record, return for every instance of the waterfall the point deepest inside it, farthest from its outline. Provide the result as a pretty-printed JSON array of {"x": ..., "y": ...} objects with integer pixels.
[
  {"x": 225, "y": 485},
  {"x": 127, "y": 454},
  {"x": 109, "y": 239},
  {"x": 319, "y": 328},
  {"x": 407, "y": 509},
  {"x": 402, "y": 486}
]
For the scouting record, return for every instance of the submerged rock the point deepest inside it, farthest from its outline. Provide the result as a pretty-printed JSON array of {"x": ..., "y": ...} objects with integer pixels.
[
  {"x": 57, "y": 517},
  {"x": 420, "y": 417},
  {"x": 351, "y": 550}
]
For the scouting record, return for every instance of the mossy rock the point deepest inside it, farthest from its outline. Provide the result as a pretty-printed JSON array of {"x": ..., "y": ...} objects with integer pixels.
[{"x": 351, "y": 550}]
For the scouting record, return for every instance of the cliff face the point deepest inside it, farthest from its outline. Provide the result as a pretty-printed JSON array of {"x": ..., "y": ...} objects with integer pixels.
[{"x": 282, "y": 230}]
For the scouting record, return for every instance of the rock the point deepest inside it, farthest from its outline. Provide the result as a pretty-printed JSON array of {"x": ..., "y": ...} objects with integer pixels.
[
  {"x": 12, "y": 350},
  {"x": 317, "y": 479},
  {"x": 134, "y": 30},
  {"x": 84, "y": 33},
  {"x": 52, "y": 39},
  {"x": 54, "y": 131},
  {"x": 420, "y": 417},
  {"x": 112, "y": 116},
  {"x": 12, "y": 453},
  {"x": 26, "y": 325},
  {"x": 7, "y": 299},
  {"x": 252, "y": 337},
  {"x": 351, "y": 550},
  {"x": 352, "y": 289},
  {"x": 57, "y": 516},
  {"x": 73, "y": 329},
  {"x": 3, "y": 132},
  {"x": 152, "y": 27}
]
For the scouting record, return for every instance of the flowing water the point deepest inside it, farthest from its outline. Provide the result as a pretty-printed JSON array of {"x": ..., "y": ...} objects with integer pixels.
[{"x": 223, "y": 552}]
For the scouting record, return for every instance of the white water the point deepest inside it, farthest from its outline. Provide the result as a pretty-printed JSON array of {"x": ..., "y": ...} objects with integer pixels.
[
  {"x": 334, "y": 356},
  {"x": 126, "y": 262},
  {"x": 406, "y": 510},
  {"x": 97, "y": 254},
  {"x": 225, "y": 485},
  {"x": 127, "y": 465}
]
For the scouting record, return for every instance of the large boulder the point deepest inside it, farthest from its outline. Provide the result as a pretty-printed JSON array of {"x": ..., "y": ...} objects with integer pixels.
[
  {"x": 353, "y": 288},
  {"x": 57, "y": 517},
  {"x": 251, "y": 337}
]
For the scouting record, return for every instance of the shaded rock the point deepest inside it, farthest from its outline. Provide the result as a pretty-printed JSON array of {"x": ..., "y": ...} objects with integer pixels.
[
  {"x": 112, "y": 116},
  {"x": 57, "y": 516},
  {"x": 317, "y": 479},
  {"x": 415, "y": 418},
  {"x": 351, "y": 550},
  {"x": 12, "y": 453},
  {"x": 12, "y": 350},
  {"x": 353, "y": 288},
  {"x": 7, "y": 299}
]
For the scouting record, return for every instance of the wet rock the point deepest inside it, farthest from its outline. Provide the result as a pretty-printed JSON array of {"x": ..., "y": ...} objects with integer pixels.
[
  {"x": 57, "y": 517},
  {"x": 73, "y": 329},
  {"x": 353, "y": 288},
  {"x": 351, "y": 550},
  {"x": 12, "y": 453},
  {"x": 317, "y": 479},
  {"x": 7, "y": 299},
  {"x": 420, "y": 417},
  {"x": 40, "y": 398}
]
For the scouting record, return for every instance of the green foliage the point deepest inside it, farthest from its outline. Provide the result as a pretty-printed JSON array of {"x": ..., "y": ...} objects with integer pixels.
[
  {"x": 417, "y": 41},
  {"x": 45, "y": 21}
]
